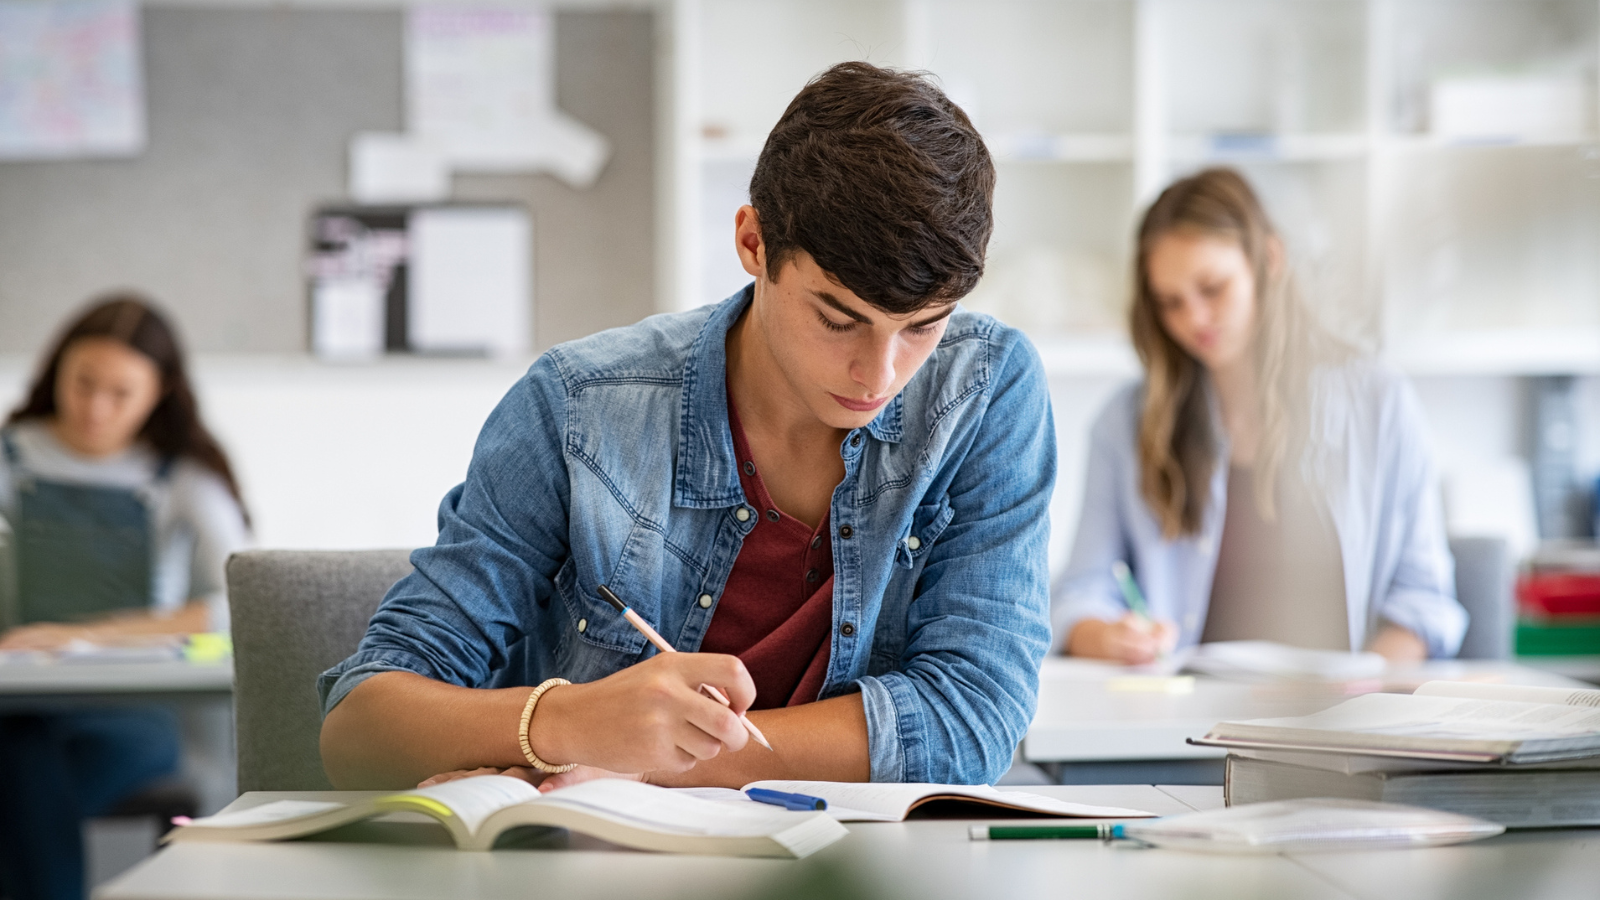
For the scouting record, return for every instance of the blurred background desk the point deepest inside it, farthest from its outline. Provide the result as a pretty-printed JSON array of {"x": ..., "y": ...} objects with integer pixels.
[
  {"x": 201, "y": 695},
  {"x": 53, "y": 683},
  {"x": 1097, "y": 725}
]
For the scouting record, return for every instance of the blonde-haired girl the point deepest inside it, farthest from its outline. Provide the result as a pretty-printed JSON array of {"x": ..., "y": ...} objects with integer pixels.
[{"x": 1264, "y": 480}]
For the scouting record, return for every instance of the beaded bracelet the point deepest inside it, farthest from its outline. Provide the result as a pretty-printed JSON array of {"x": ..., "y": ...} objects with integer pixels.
[{"x": 527, "y": 718}]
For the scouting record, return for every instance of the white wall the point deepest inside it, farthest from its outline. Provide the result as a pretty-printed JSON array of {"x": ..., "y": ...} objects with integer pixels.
[
  {"x": 359, "y": 456},
  {"x": 334, "y": 457}
]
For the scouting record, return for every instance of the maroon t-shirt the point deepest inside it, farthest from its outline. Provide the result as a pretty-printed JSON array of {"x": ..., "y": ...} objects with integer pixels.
[{"x": 776, "y": 611}]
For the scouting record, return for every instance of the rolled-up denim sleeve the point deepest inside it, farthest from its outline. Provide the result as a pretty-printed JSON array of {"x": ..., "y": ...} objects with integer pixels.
[
  {"x": 1421, "y": 596},
  {"x": 978, "y": 629},
  {"x": 1086, "y": 589},
  {"x": 502, "y": 538}
]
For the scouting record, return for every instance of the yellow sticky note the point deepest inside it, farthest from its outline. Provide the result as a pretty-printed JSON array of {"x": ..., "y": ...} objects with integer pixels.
[{"x": 210, "y": 647}]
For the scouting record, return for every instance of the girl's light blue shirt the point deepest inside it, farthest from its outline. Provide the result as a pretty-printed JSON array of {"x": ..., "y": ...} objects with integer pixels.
[
  {"x": 1369, "y": 460},
  {"x": 611, "y": 462}
]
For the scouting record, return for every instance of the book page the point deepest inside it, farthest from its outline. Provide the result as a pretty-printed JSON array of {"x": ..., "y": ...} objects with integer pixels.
[
  {"x": 267, "y": 814},
  {"x": 1520, "y": 693},
  {"x": 891, "y": 802},
  {"x": 839, "y": 813},
  {"x": 662, "y": 809},
  {"x": 469, "y": 799}
]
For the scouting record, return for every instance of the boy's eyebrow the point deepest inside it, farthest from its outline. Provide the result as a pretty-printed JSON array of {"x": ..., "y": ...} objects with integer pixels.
[
  {"x": 948, "y": 309},
  {"x": 834, "y": 302}
]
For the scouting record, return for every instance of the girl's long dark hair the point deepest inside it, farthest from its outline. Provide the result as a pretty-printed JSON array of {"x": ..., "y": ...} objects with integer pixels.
[{"x": 174, "y": 428}]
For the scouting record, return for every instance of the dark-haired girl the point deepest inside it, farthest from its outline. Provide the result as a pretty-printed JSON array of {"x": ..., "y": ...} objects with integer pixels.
[{"x": 121, "y": 510}]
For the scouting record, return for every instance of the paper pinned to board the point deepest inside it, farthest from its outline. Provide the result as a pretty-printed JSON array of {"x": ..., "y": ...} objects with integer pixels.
[
  {"x": 470, "y": 281},
  {"x": 480, "y": 85},
  {"x": 71, "y": 83},
  {"x": 397, "y": 168}
]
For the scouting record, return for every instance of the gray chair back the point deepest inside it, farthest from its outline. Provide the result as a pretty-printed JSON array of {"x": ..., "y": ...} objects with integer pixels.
[
  {"x": 1484, "y": 576},
  {"x": 295, "y": 613}
]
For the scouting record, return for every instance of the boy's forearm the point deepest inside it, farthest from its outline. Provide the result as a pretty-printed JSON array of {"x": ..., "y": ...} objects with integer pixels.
[
  {"x": 822, "y": 741},
  {"x": 397, "y": 728}
]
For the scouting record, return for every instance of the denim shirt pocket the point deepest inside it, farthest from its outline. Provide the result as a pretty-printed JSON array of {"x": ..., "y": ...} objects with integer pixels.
[
  {"x": 595, "y": 640},
  {"x": 927, "y": 523}
]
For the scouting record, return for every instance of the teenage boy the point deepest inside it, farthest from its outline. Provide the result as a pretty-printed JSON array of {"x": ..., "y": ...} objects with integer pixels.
[{"x": 830, "y": 490}]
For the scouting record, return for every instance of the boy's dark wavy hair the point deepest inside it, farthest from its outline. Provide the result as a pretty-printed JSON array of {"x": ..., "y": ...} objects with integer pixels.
[{"x": 883, "y": 181}]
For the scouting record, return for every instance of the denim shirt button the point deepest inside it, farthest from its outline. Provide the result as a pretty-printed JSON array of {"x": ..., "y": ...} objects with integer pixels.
[
  {"x": 845, "y": 531},
  {"x": 705, "y": 601},
  {"x": 913, "y": 543},
  {"x": 742, "y": 514},
  {"x": 847, "y": 629},
  {"x": 583, "y": 625},
  {"x": 855, "y": 441}
]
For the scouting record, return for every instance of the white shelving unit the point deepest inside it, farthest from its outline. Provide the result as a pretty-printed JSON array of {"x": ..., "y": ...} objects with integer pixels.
[{"x": 1456, "y": 253}]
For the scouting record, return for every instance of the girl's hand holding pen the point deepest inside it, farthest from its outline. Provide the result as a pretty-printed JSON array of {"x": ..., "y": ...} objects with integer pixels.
[
  {"x": 1132, "y": 639},
  {"x": 649, "y": 717}
]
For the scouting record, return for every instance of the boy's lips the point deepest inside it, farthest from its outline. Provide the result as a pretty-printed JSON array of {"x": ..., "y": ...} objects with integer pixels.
[{"x": 858, "y": 405}]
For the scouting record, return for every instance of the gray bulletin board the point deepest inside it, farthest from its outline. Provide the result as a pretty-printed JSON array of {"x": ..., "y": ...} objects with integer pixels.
[{"x": 250, "y": 113}]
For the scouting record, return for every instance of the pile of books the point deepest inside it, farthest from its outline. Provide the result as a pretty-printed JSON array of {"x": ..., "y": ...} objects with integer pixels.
[
  {"x": 1525, "y": 757},
  {"x": 1558, "y": 601}
]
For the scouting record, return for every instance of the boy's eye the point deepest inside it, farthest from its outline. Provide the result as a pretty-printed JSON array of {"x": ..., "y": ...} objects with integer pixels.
[
  {"x": 831, "y": 325},
  {"x": 923, "y": 330}
]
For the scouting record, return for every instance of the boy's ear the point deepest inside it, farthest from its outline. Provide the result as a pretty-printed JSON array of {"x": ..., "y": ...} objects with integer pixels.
[{"x": 747, "y": 241}]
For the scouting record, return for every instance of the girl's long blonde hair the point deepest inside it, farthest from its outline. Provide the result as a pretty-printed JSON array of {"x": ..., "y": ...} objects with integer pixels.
[{"x": 1177, "y": 444}]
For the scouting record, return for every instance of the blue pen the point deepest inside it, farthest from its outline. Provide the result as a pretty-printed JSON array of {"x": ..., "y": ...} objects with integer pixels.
[{"x": 797, "y": 802}]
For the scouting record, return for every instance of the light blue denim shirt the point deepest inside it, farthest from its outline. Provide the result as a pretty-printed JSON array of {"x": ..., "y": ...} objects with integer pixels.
[
  {"x": 611, "y": 462},
  {"x": 1369, "y": 460}
]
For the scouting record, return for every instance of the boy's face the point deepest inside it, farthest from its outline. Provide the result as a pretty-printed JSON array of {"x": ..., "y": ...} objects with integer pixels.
[{"x": 842, "y": 357}]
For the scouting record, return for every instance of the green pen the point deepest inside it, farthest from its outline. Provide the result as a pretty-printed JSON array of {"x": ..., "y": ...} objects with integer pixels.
[
  {"x": 1130, "y": 589},
  {"x": 1104, "y": 831}
]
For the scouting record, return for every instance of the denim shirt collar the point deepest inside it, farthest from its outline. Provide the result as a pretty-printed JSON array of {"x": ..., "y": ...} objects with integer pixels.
[{"x": 707, "y": 473}]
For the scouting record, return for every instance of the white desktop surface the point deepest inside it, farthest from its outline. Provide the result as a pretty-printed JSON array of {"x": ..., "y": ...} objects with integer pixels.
[
  {"x": 1081, "y": 718},
  {"x": 919, "y": 860}
]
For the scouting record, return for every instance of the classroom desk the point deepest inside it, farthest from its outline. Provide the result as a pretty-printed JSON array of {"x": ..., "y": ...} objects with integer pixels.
[
  {"x": 917, "y": 860},
  {"x": 201, "y": 694},
  {"x": 1087, "y": 729},
  {"x": 24, "y": 684}
]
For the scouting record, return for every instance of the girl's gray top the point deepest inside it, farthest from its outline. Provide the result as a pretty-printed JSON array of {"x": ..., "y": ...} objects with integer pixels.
[{"x": 197, "y": 523}]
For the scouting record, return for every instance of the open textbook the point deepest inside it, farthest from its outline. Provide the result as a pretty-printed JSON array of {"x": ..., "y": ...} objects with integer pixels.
[
  {"x": 477, "y": 810},
  {"x": 1442, "y": 720},
  {"x": 889, "y": 802}
]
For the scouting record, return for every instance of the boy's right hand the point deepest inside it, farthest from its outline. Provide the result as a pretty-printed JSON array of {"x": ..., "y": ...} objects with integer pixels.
[
  {"x": 648, "y": 717},
  {"x": 1132, "y": 639}
]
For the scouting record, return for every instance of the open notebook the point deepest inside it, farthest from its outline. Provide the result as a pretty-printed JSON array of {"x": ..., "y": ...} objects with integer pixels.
[
  {"x": 877, "y": 802},
  {"x": 477, "y": 810},
  {"x": 1443, "y": 720}
]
